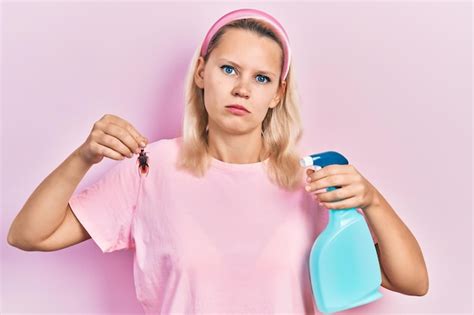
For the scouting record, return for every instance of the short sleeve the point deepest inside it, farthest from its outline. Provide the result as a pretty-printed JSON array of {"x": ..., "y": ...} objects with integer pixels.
[{"x": 106, "y": 208}]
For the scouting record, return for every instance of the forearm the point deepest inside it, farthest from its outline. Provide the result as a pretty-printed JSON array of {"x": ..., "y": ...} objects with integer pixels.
[
  {"x": 400, "y": 255},
  {"x": 46, "y": 208}
]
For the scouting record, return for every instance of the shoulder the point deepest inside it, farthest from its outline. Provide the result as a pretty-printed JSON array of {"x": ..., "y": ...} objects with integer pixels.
[
  {"x": 165, "y": 147},
  {"x": 162, "y": 153}
]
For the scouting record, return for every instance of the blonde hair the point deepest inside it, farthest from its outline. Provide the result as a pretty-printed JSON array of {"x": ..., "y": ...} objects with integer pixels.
[{"x": 281, "y": 127}]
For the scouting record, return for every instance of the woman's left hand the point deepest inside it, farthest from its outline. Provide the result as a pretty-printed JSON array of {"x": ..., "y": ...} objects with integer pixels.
[{"x": 353, "y": 190}]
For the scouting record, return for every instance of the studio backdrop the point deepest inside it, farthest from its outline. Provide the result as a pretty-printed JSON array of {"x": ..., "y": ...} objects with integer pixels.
[{"x": 387, "y": 84}]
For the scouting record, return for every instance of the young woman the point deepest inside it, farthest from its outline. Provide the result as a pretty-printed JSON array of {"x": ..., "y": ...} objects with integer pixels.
[{"x": 219, "y": 219}]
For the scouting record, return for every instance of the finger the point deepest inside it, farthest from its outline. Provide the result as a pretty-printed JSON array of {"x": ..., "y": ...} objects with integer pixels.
[
  {"x": 119, "y": 139},
  {"x": 329, "y": 170},
  {"x": 338, "y": 180},
  {"x": 341, "y": 204},
  {"x": 338, "y": 194},
  {"x": 312, "y": 171},
  {"x": 108, "y": 152},
  {"x": 139, "y": 138},
  {"x": 323, "y": 190},
  {"x": 309, "y": 171}
]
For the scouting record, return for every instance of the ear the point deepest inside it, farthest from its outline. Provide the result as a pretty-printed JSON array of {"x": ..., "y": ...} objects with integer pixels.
[
  {"x": 199, "y": 73},
  {"x": 279, "y": 95}
]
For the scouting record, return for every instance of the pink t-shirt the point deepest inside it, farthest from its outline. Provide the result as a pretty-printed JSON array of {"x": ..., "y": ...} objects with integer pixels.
[{"x": 229, "y": 242}]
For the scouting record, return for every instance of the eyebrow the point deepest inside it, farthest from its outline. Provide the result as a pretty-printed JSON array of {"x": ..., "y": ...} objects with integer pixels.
[{"x": 236, "y": 65}]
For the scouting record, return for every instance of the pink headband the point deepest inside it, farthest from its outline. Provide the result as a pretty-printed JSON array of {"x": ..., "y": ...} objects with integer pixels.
[{"x": 256, "y": 14}]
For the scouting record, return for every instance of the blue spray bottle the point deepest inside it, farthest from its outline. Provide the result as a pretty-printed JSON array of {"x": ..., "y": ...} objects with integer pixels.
[{"x": 343, "y": 262}]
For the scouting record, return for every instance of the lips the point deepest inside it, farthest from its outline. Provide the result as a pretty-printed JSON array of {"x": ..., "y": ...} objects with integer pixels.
[{"x": 238, "y": 106}]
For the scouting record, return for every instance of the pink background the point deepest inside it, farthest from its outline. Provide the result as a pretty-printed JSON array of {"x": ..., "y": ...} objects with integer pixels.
[{"x": 387, "y": 84}]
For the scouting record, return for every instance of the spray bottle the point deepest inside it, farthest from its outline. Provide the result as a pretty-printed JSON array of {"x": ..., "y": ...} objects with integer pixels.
[{"x": 343, "y": 263}]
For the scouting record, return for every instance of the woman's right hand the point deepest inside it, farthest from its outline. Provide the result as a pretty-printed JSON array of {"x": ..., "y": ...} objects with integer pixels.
[{"x": 113, "y": 137}]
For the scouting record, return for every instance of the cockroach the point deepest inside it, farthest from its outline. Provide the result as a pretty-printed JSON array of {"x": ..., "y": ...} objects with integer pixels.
[{"x": 142, "y": 162}]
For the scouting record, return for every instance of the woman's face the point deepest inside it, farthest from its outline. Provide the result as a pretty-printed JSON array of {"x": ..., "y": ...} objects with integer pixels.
[{"x": 244, "y": 69}]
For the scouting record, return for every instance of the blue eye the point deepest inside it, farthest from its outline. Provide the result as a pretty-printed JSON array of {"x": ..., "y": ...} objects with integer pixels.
[
  {"x": 224, "y": 67},
  {"x": 265, "y": 77}
]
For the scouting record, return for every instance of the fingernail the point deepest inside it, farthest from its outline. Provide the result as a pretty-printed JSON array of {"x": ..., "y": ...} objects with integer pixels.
[
  {"x": 308, "y": 188},
  {"x": 142, "y": 144},
  {"x": 137, "y": 151},
  {"x": 308, "y": 179}
]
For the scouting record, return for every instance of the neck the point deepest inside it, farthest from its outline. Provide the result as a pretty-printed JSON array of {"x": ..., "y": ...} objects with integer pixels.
[{"x": 237, "y": 149}]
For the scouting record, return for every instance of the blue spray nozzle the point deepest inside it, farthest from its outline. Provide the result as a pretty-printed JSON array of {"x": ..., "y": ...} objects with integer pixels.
[
  {"x": 320, "y": 160},
  {"x": 323, "y": 159}
]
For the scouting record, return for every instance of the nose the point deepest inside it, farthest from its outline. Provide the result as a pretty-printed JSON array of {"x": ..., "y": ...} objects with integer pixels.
[{"x": 241, "y": 89}]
